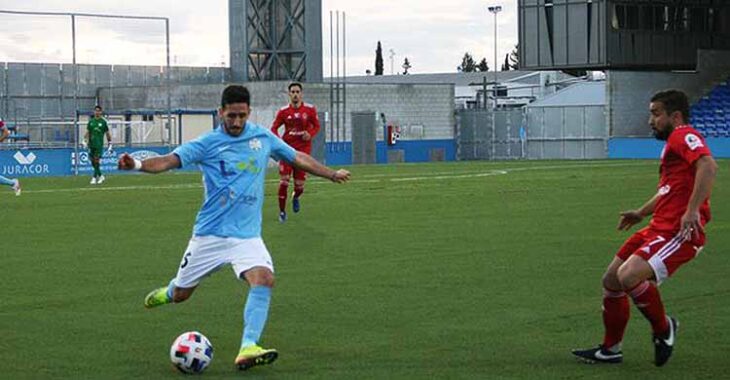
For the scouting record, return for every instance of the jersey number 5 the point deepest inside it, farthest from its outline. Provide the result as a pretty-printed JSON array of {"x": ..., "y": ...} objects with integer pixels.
[{"x": 185, "y": 260}]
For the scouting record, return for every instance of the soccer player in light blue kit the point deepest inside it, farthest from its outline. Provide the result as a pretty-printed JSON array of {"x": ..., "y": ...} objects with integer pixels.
[
  {"x": 233, "y": 159},
  {"x": 13, "y": 183}
]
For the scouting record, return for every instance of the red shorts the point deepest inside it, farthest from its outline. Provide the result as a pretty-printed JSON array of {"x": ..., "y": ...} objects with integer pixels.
[
  {"x": 286, "y": 169},
  {"x": 665, "y": 252}
]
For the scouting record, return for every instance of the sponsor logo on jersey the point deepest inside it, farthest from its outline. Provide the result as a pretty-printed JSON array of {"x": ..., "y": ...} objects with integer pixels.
[
  {"x": 255, "y": 144},
  {"x": 693, "y": 141}
]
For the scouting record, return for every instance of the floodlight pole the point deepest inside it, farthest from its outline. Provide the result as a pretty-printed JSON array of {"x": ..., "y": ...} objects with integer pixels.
[
  {"x": 495, "y": 9},
  {"x": 392, "y": 54},
  {"x": 167, "y": 83},
  {"x": 77, "y": 133}
]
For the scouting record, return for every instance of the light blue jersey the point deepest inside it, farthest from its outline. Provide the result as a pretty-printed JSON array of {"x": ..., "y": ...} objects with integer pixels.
[{"x": 233, "y": 172}]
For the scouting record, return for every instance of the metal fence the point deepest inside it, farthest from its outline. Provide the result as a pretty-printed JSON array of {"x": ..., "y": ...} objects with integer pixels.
[
  {"x": 37, "y": 99},
  {"x": 566, "y": 132}
]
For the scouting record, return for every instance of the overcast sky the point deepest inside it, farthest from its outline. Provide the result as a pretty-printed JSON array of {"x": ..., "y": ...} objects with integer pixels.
[{"x": 433, "y": 34}]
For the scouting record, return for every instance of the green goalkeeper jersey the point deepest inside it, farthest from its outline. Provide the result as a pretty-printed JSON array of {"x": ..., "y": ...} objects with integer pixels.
[{"x": 97, "y": 128}]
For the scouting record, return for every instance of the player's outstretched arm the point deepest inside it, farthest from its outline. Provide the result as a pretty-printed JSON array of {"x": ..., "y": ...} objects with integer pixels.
[
  {"x": 151, "y": 165},
  {"x": 310, "y": 165}
]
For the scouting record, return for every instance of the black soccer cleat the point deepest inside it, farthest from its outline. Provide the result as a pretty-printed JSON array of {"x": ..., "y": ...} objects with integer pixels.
[
  {"x": 663, "y": 346},
  {"x": 598, "y": 355}
]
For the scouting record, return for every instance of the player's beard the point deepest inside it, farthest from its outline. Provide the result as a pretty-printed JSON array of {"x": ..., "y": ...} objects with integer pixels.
[
  {"x": 233, "y": 131},
  {"x": 663, "y": 135}
]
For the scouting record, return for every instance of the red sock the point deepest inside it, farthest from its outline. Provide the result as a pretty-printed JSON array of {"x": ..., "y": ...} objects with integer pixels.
[
  {"x": 646, "y": 298},
  {"x": 283, "y": 190},
  {"x": 616, "y": 312},
  {"x": 298, "y": 190}
]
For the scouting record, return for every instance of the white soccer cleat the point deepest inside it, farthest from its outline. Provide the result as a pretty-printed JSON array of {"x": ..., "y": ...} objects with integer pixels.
[
  {"x": 16, "y": 188},
  {"x": 100, "y": 180},
  {"x": 93, "y": 181}
]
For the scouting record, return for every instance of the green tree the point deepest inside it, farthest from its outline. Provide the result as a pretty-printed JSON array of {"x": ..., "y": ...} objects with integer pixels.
[
  {"x": 483, "y": 66},
  {"x": 379, "y": 60},
  {"x": 468, "y": 65}
]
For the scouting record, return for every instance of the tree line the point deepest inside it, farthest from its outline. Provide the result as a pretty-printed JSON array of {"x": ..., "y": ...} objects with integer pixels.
[{"x": 468, "y": 63}]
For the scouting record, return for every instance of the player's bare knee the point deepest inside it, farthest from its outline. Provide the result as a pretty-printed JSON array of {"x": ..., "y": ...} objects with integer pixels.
[
  {"x": 610, "y": 281},
  {"x": 264, "y": 279},
  {"x": 260, "y": 276},
  {"x": 627, "y": 277}
]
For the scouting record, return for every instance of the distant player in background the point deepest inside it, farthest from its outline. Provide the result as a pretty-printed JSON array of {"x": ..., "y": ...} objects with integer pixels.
[
  {"x": 674, "y": 236},
  {"x": 96, "y": 129},
  {"x": 227, "y": 230},
  {"x": 301, "y": 124},
  {"x": 13, "y": 183}
]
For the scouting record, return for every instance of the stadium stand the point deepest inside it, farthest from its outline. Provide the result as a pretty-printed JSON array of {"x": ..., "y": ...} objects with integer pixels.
[{"x": 711, "y": 114}]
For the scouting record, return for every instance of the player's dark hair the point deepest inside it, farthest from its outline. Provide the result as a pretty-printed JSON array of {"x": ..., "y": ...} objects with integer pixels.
[
  {"x": 292, "y": 84},
  {"x": 673, "y": 100},
  {"x": 235, "y": 94},
  {"x": 97, "y": 107}
]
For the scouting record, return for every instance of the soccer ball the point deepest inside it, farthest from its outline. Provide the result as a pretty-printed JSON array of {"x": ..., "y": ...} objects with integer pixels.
[{"x": 191, "y": 352}]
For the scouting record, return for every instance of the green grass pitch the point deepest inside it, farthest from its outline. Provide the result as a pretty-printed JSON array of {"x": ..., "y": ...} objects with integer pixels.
[{"x": 450, "y": 270}]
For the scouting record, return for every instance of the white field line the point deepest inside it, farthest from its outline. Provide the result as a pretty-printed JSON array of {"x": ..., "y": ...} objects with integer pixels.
[{"x": 434, "y": 177}]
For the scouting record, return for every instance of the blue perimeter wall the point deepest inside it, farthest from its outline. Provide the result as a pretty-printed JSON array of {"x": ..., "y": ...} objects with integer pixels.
[
  {"x": 61, "y": 162},
  {"x": 651, "y": 148},
  {"x": 413, "y": 151}
]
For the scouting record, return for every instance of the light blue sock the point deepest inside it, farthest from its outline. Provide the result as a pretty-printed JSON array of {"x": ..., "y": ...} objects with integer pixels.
[
  {"x": 254, "y": 314},
  {"x": 6, "y": 181},
  {"x": 170, "y": 289}
]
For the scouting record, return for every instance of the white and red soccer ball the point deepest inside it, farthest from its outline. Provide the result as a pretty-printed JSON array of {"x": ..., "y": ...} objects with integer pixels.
[{"x": 191, "y": 352}]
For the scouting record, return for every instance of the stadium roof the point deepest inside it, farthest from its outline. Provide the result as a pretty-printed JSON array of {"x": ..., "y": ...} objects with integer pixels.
[{"x": 579, "y": 94}]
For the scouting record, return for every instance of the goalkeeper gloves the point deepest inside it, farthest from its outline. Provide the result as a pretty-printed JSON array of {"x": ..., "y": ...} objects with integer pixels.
[
  {"x": 84, "y": 144},
  {"x": 109, "y": 149}
]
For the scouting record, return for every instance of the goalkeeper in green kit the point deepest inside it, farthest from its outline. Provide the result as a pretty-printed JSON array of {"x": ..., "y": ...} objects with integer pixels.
[{"x": 94, "y": 139}]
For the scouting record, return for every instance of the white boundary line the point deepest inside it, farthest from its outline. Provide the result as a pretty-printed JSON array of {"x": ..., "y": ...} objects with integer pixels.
[{"x": 382, "y": 178}]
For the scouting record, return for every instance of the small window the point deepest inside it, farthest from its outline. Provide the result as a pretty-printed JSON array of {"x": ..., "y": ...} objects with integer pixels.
[{"x": 148, "y": 117}]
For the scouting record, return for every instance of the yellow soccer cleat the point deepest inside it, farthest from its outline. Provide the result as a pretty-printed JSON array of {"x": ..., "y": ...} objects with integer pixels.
[
  {"x": 254, "y": 355},
  {"x": 157, "y": 297}
]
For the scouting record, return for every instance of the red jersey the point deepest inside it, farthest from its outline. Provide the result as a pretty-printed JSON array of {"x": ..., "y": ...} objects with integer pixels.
[
  {"x": 683, "y": 148},
  {"x": 296, "y": 121}
]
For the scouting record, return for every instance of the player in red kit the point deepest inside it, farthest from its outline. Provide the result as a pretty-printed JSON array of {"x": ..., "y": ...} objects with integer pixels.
[
  {"x": 300, "y": 126},
  {"x": 674, "y": 236}
]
